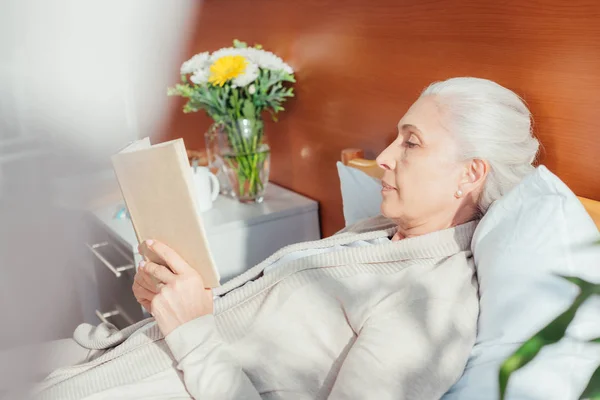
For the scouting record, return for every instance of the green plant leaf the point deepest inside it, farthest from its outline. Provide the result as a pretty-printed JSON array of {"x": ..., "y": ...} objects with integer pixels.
[
  {"x": 239, "y": 44},
  {"x": 592, "y": 391},
  {"x": 597, "y": 340},
  {"x": 518, "y": 359},
  {"x": 248, "y": 110},
  {"x": 551, "y": 333},
  {"x": 577, "y": 281},
  {"x": 585, "y": 286}
]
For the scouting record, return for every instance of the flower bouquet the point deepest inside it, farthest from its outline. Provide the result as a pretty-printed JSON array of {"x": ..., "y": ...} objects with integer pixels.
[{"x": 234, "y": 86}]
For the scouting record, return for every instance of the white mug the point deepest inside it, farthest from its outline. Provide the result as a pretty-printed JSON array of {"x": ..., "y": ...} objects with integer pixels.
[{"x": 207, "y": 187}]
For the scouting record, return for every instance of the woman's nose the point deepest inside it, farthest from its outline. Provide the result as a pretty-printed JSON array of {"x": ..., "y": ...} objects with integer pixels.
[{"x": 385, "y": 161}]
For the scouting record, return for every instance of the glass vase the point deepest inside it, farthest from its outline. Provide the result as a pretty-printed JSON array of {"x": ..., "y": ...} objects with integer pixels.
[
  {"x": 244, "y": 155},
  {"x": 215, "y": 162}
]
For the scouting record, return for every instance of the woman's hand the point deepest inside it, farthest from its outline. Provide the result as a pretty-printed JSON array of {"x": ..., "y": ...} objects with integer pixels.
[
  {"x": 144, "y": 288},
  {"x": 180, "y": 295}
]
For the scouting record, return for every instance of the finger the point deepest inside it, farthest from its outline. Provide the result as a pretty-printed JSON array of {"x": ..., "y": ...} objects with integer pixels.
[
  {"x": 160, "y": 272},
  {"x": 141, "y": 293},
  {"x": 147, "y": 305},
  {"x": 170, "y": 256},
  {"x": 145, "y": 280}
]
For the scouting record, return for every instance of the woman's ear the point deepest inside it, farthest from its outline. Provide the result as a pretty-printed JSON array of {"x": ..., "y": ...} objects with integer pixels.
[{"x": 474, "y": 175}]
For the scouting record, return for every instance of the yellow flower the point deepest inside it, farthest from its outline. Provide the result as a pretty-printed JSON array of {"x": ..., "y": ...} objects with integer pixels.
[{"x": 226, "y": 68}]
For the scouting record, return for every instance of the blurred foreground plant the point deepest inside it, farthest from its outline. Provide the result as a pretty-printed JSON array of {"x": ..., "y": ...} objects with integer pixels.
[{"x": 552, "y": 333}]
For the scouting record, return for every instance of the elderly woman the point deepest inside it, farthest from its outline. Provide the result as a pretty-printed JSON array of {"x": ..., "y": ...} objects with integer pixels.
[{"x": 385, "y": 309}]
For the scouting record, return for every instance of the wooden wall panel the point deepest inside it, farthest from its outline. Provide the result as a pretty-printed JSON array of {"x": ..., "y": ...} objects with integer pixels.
[{"x": 360, "y": 64}]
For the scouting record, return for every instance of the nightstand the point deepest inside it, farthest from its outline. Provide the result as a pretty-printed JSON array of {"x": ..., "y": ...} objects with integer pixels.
[{"x": 240, "y": 236}]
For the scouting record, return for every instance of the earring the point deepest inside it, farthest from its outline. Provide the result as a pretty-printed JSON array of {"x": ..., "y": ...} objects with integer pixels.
[{"x": 458, "y": 194}]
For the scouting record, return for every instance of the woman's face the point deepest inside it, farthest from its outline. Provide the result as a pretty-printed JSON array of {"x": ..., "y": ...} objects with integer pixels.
[{"x": 422, "y": 173}]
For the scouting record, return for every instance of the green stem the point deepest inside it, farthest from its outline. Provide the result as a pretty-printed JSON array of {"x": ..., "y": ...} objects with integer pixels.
[
  {"x": 253, "y": 177},
  {"x": 235, "y": 140},
  {"x": 246, "y": 156}
]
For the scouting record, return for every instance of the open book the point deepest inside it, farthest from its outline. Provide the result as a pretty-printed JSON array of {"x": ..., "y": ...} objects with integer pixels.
[{"x": 158, "y": 188}]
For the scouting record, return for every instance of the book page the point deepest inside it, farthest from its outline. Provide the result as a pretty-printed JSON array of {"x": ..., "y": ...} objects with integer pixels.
[
  {"x": 137, "y": 145},
  {"x": 158, "y": 189}
]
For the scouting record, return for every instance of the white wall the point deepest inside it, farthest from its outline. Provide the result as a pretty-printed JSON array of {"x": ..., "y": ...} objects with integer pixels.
[
  {"x": 78, "y": 79},
  {"x": 91, "y": 72}
]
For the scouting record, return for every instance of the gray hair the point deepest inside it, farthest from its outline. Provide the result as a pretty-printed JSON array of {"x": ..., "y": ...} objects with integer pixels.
[{"x": 491, "y": 123}]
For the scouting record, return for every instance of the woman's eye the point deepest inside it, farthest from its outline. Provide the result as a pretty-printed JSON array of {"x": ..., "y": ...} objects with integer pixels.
[{"x": 410, "y": 145}]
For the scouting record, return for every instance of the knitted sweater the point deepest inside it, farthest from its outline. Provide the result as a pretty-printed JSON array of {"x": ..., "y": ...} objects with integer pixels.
[{"x": 388, "y": 321}]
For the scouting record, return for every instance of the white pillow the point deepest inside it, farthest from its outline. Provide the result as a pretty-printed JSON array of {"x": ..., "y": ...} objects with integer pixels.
[
  {"x": 535, "y": 232},
  {"x": 361, "y": 194}
]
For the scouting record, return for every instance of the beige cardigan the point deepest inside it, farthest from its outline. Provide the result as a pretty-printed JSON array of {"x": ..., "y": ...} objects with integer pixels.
[{"x": 390, "y": 321}]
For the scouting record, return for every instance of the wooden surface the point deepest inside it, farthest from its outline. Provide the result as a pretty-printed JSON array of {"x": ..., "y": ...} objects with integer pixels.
[
  {"x": 593, "y": 208},
  {"x": 354, "y": 160},
  {"x": 360, "y": 64}
]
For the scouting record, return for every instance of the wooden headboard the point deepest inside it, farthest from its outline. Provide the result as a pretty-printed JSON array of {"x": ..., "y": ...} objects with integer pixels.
[
  {"x": 355, "y": 158},
  {"x": 360, "y": 64}
]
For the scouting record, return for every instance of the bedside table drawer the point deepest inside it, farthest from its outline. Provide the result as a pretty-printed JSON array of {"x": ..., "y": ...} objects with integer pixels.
[
  {"x": 114, "y": 270},
  {"x": 240, "y": 235}
]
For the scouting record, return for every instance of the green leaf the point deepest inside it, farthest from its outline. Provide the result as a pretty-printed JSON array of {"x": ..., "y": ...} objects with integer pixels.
[
  {"x": 239, "y": 44},
  {"x": 520, "y": 358},
  {"x": 597, "y": 340},
  {"x": 288, "y": 77},
  {"x": 592, "y": 391},
  {"x": 551, "y": 333},
  {"x": 577, "y": 281},
  {"x": 248, "y": 110},
  {"x": 188, "y": 108},
  {"x": 585, "y": 286}
]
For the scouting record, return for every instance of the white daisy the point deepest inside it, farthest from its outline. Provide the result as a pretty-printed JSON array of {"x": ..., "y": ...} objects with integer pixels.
[
  {"x": 267, "y": 60},
  {"x": 262, "y": 58},
  {"x": 227, "y": 51},
  {"x": 249, "y": 75},
  {"x": 200, "y": 76},
  {"x": 197, "y": 62}
]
